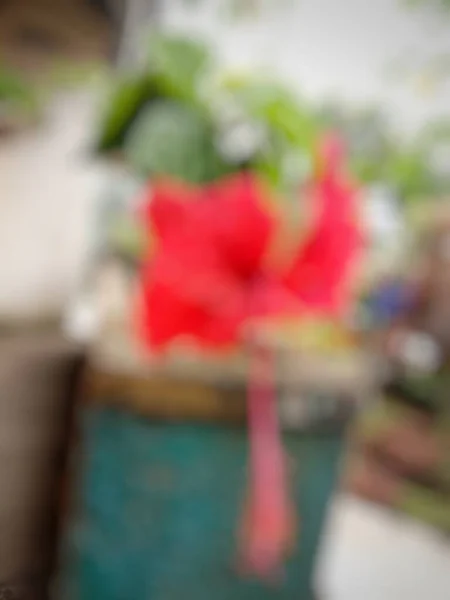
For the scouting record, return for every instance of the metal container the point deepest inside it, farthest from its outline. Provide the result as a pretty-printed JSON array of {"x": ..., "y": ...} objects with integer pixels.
[{"x": 160, "y": 475}]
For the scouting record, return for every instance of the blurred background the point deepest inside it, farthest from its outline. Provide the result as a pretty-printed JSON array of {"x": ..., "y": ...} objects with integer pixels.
[
  {"x": 73, "y": 74},
  {"x": 383, "y": 69}
]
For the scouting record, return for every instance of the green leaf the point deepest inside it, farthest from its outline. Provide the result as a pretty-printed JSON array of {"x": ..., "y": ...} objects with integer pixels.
[
  {"x": 127, "y": 98},
  {"x": 178, "y": 63},
  {"x": 170, "y": 138},
  {"x": 174, "y": 70}
]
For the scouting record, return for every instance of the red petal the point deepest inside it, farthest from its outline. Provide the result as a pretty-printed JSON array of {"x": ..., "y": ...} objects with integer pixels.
[
  {"x": 211, "y": 244},
  {"x": 189, "y": 292},
  {"x": 168, "y": 316},
  {"x": 271, "y": 297},
  {"x": 168, "y": 206},
  {"x": 242, "y": 223},
  {"x": 323, "y": 269}
]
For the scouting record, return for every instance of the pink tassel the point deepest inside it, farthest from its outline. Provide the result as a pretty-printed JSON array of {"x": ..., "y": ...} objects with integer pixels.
[{"x": 268, "y": 528}]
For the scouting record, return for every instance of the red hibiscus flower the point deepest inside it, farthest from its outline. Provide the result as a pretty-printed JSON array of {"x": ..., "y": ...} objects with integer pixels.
[{"x": 208, "y": 277}]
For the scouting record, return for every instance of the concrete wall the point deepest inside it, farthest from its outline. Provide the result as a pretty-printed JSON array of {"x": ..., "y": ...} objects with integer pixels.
[{"x": 47, "y": 190}]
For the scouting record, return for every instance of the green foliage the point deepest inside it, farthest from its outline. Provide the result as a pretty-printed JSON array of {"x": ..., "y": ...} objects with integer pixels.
[
  {"x": 174, "y": 139},
  {"x": 169, "y": 118},
  {"x": 126, "y": 99},
  {"x": 165, "y": 119},
  {"x": 178, "y": 65},
  {"x": 290, "y": 127},
  {"x": 405, "y": 169},
  {"x": 377, "y": 155},
  {"x": 408, "y": 172},
  {"x": 173, "y": 70},
  {"x": 277, "y": 107}
]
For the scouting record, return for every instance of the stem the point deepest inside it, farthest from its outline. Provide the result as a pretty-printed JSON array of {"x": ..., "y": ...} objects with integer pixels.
[
  {"x": 267, "y": 464},
  {"x": 269, "y": 521}
]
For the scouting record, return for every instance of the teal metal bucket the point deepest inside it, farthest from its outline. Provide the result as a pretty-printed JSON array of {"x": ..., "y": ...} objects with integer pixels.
[{"x": 159, "y": 505}]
